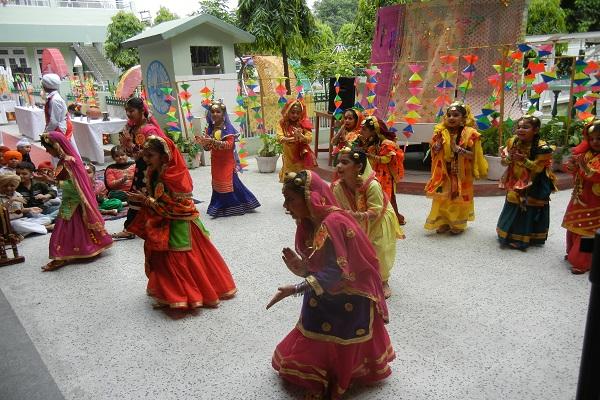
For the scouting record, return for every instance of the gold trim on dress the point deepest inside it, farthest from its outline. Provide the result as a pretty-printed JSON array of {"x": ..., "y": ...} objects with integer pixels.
[
  {"x": 335, "y": 339},
  {"x": 314, "y": 283}
]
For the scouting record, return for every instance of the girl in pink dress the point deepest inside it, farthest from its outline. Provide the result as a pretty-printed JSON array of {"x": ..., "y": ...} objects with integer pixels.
[
  {"x": 340, "y": 337},
  {"x": 79, "y": 228}
]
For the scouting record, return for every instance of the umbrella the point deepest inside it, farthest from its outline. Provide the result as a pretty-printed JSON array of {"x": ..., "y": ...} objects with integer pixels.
[
  {"x": 130, "y": 80},
  {"x": 54, "y": 62}
]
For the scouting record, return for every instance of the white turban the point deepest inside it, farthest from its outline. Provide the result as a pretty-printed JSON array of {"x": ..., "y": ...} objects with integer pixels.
[
  {"x": 51, "y": 81},
  {"x": 23, "y": 142}
]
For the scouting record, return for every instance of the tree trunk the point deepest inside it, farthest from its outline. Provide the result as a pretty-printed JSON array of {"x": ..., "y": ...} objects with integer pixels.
[{"x": 286, "y": 70}]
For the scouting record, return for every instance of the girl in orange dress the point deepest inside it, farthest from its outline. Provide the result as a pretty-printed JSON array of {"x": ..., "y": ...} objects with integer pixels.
[
  {"x": 184, "y": 269},
  {"x": 582, "y": 217},
  {"x": 295, "y": 135},
  {"x": 386, "y": 158},
  {"x": 348, "y": 133}
]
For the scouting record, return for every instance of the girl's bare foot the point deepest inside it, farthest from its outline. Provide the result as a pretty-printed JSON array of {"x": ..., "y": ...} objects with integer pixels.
[
  {"x": 54, "y": 265},
  {"x": 123, "y": 235}
]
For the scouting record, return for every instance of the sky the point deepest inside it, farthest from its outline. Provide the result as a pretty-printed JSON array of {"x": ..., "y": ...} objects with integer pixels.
[{"x": 179, "y": 7}]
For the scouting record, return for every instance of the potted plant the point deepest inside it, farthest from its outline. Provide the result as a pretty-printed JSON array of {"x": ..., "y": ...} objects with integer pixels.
[
  {"x": 491, "y": 146},
  {"x": 190, "y": 150},
  {"x": 555, "y": 133},
  {"x": 269, "y": 153}
]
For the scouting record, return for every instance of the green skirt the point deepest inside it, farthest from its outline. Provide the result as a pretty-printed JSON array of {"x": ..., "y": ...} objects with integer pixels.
[{"x": 525, "y": 222}]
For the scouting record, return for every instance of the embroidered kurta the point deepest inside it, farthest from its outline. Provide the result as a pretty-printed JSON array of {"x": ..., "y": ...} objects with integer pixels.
[
  {"x": 452, "y": 175},
  {"x": 525, "y": 217},
  {"x": 582, "y": 217},
  {"x": 376, "y": 216}
]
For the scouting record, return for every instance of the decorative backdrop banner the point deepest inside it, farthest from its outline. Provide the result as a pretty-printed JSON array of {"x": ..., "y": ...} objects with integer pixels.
[{"x": 423, "y": 32}]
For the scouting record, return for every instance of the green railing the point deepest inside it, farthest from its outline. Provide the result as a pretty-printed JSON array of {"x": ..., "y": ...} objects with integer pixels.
[{"x": 115, "y": 101}]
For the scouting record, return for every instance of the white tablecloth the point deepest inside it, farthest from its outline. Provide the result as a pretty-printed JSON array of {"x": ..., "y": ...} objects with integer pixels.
[
  {"x": 3, "y": 119},
  {"x": 9, "y": 105},
  {"x": 31, "y": 121},
  {"x": 88, "y": 136}
]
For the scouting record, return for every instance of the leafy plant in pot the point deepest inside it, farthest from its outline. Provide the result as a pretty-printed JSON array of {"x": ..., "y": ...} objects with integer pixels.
[
  {"x": 190, "y": 149},
  {"x": 555, "y": 133},
  {"x": 269, "y": 153}
]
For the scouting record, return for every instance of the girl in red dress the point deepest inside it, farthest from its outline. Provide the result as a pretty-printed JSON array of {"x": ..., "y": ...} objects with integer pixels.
[
  {"x": 582, "y": 217},
  {"x": 184, "y": 269}
]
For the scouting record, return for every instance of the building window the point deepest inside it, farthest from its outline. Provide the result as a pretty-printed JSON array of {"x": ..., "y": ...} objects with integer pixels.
[
  {"x": 13, "y": 58},
  {"x": 206, "y": 60}
]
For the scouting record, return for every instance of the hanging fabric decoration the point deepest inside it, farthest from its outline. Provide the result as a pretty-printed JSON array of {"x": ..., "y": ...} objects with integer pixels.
[
  {"x": 445, "y": 86},
  {"x": 583, "y": 104},
  {"x": 391, "y": 111},
  {"x": 281, "y": 91},
  {"x": 468, "y": 72},
  {"x": 240, "y": 110},
  {"x": 255, "y": 106},
  {"x": 186, "y": 106},
  {"x": 206, "y": 96},
  {"x": 337, "y": 100},
  {"x": 370, "y": 85},
  {"x": 173, "y": 129},
  {"x": 413, "y": 104}
]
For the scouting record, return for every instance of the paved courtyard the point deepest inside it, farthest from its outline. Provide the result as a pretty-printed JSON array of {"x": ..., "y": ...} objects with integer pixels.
[{"x": 468, "y": 320}]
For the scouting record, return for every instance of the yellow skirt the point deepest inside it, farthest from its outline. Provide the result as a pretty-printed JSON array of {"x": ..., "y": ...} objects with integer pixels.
[{"x": 450, "y": 212}]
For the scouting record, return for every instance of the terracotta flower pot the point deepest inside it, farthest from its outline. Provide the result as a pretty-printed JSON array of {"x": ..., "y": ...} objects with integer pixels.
[{"x": 94, "y": 112}]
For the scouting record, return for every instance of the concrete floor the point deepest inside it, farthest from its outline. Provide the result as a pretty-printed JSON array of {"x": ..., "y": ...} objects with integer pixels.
[{"x": 468, "y": 320}]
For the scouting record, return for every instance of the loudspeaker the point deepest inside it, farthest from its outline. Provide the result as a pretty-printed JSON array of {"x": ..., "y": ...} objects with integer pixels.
[{"x": 346, "y": 93}]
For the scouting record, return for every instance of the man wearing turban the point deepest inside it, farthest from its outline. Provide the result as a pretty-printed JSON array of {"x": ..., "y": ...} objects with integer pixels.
[{"x": 57, "y": 117}]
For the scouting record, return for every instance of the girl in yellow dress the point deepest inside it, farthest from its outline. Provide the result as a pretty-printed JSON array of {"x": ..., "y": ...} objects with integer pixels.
[
  {"x": 295, "y": 134},
  {"x": 456, "y": 159},
  {"x": 358, "y": 191}
]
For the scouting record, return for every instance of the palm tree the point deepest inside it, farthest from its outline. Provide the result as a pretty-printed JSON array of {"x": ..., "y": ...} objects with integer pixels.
[{"x": 286, "y": 27}]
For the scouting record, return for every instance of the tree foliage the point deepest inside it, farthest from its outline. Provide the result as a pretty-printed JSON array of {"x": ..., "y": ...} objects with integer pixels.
[
  {"x": 582, "y": 15},
  {"x": 217, "y": 8},
  {"x": 163, "y": 15},
  {"x": 123, "y": 26},
  {"x": 545, "y": 16},
  {"x": 335, "y": 13},
  {"x": 285, "y": 27}
]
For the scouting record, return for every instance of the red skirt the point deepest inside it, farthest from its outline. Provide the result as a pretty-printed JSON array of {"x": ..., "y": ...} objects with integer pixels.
[
  {"x": 189, "y": 279},
  {"x": 327, "y": 367},
  {"x": 580, "y": 262}
]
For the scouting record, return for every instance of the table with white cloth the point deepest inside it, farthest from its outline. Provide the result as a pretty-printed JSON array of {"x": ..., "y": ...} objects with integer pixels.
[
  {"x": 88, "y": 136},
  {"x": 3, "y": 119},
  {"x": 31, "y": 121},
  {"x": 9, "y": 105}
]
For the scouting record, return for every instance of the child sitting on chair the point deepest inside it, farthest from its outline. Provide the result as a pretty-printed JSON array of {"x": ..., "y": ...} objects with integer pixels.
[
  {"x": 106, "y": 206},
  {"x": 118, "y": 177},
  {"x": 24, "y": 220}
]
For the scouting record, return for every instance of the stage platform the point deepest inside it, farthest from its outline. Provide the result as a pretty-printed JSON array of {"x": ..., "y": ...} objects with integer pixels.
[{"x": 417, "y": 174}]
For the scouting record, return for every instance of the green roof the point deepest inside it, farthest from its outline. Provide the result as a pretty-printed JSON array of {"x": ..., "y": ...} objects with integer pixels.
[{"x": 169, "y": 29}]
